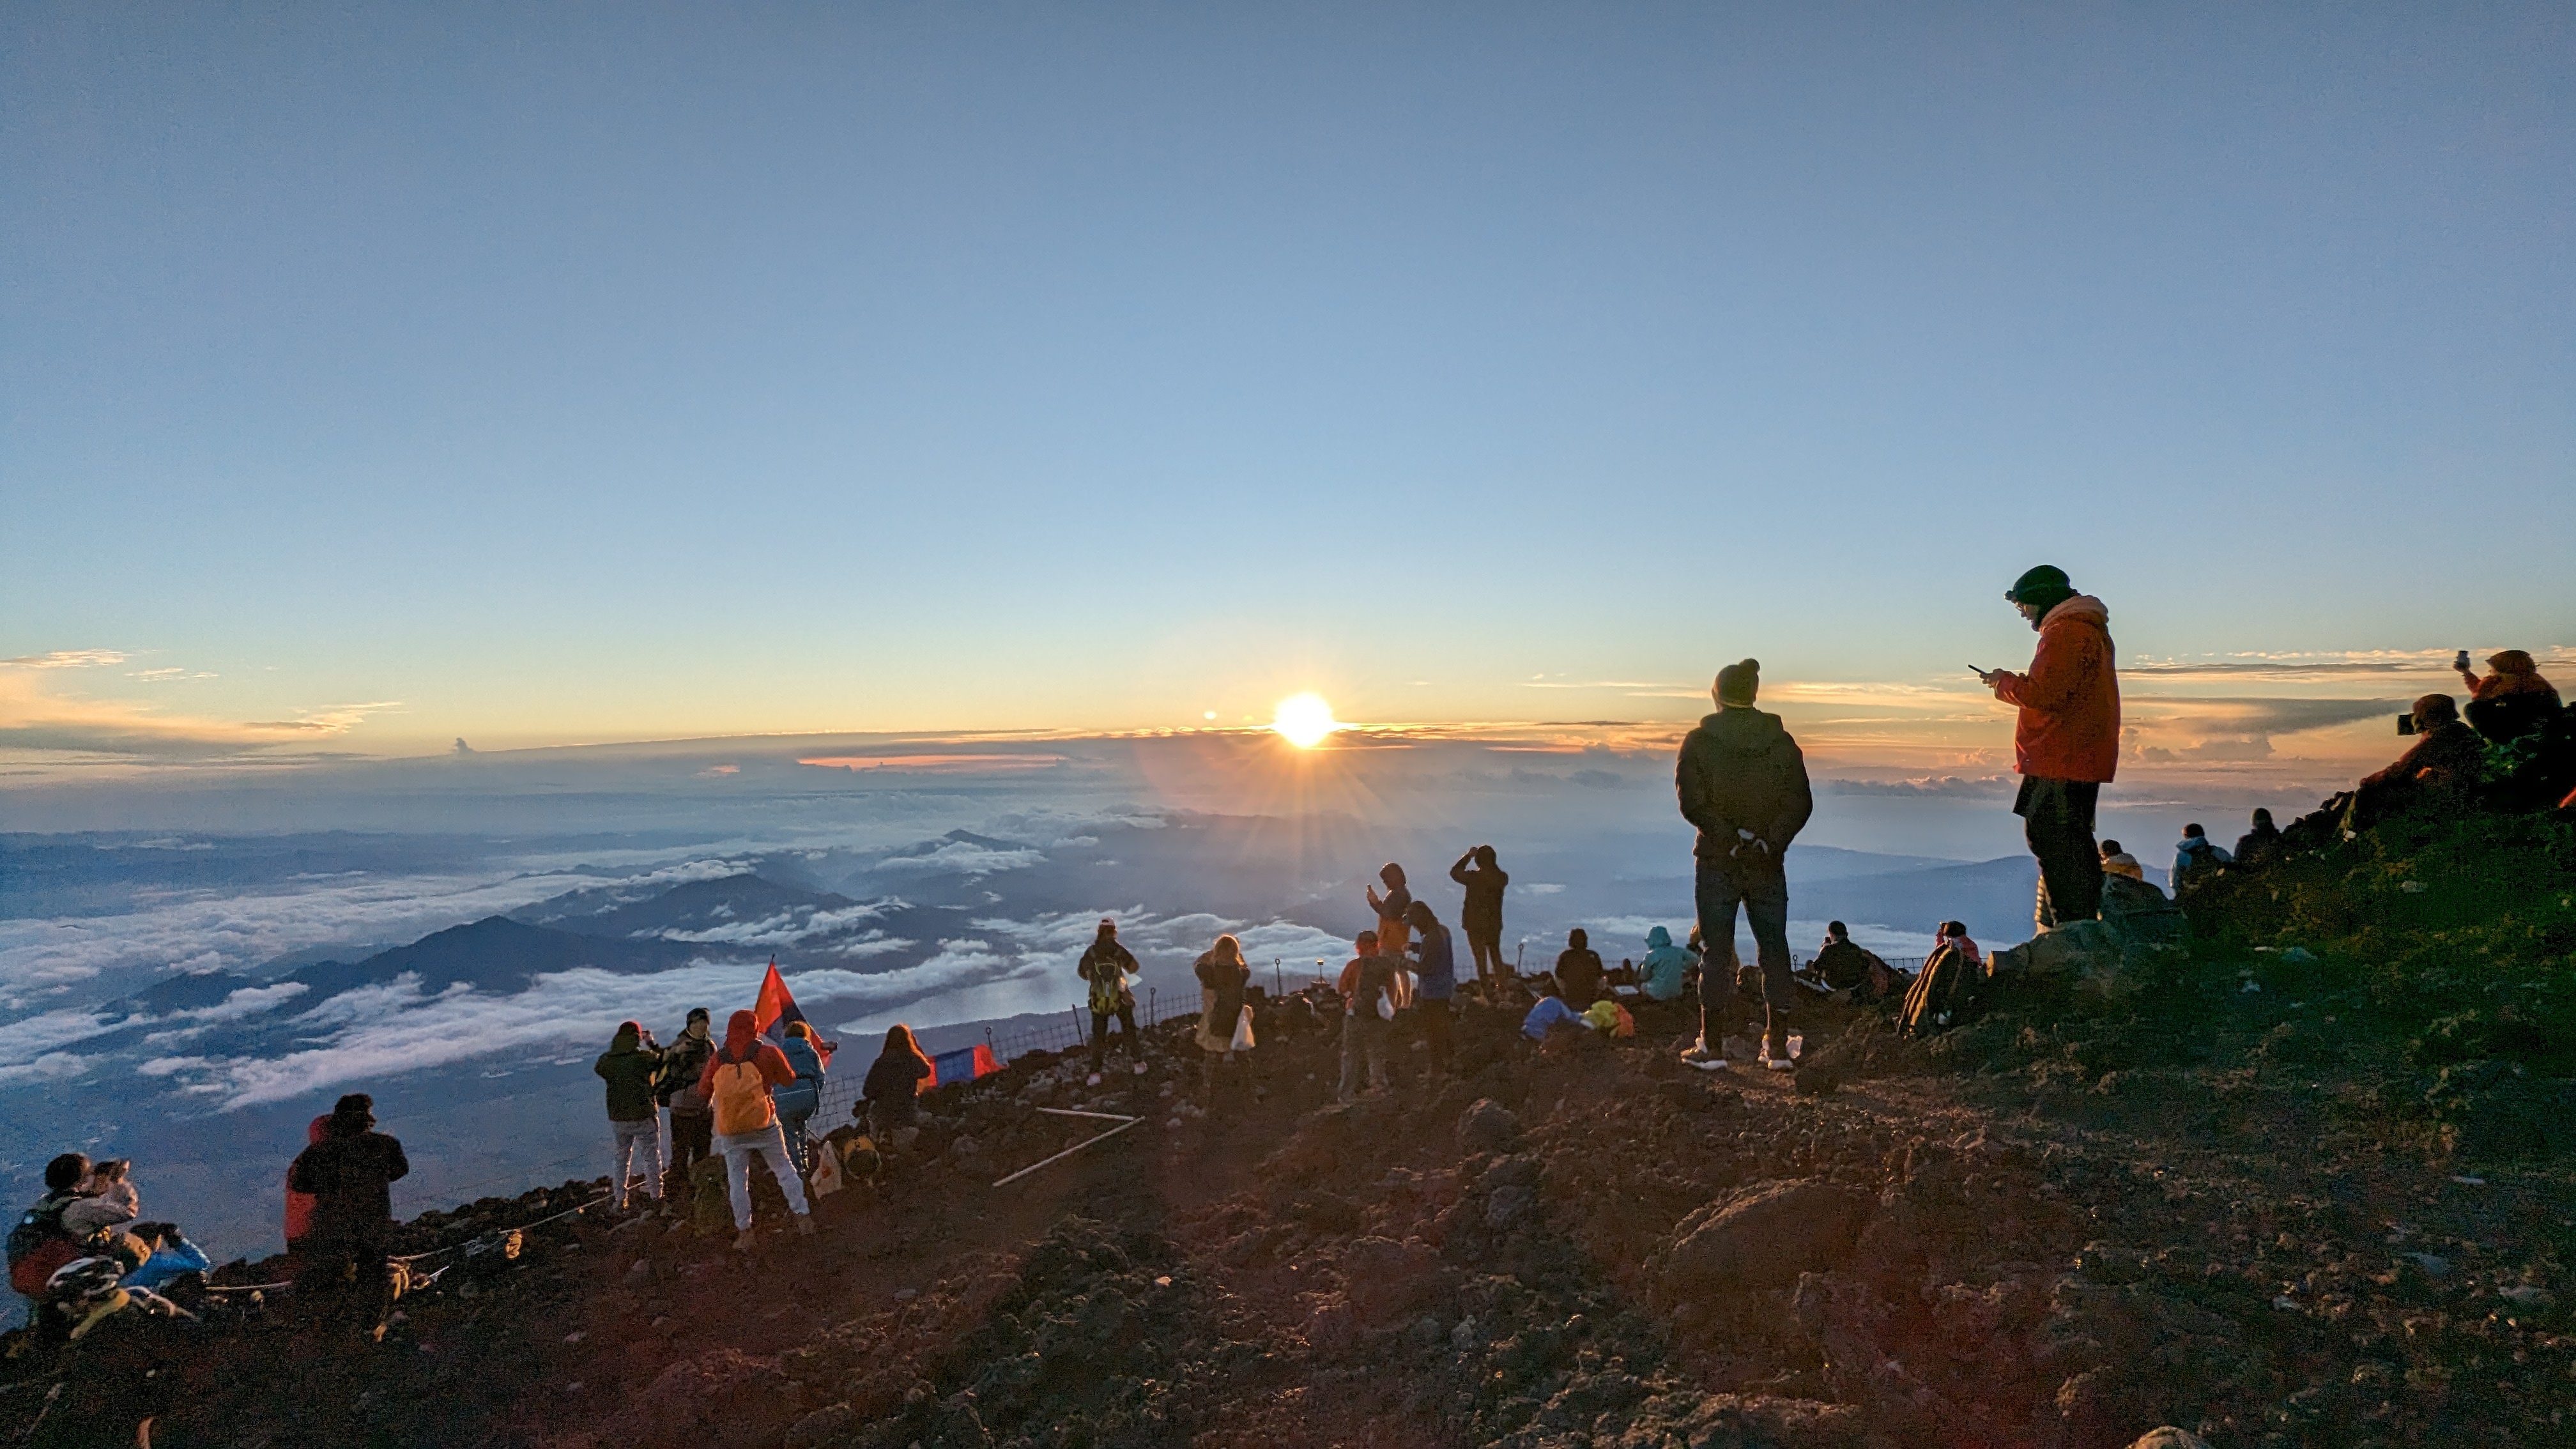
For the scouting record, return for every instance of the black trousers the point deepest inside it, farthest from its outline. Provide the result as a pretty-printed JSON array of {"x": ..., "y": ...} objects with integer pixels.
[
  {"x": 1435, "y": 1030},
  {"x": 343, "y": 1278},
  {"x": 1485, "y": 943},
  {"x": 2057, "y": 820},
  {"x": 692, "y": 1141},
  {"x": 1126, "y": 1031}
]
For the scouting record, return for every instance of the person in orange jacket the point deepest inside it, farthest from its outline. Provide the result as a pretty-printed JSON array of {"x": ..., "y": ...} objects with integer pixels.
[
  {"x": 737, "y": 1083},
  {"x": 2066, "y": 741}
]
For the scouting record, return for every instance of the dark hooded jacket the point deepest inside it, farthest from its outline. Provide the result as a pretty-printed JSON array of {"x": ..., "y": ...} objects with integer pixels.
[
  {"x": 1740, "y": 771},
  {"x": 350, "y": 1173},
  {"x": 629, "y": 1067}
]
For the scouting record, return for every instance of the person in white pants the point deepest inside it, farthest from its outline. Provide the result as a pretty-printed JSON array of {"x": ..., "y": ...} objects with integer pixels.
[
  {"x": 737, "y": 1085},
  {"x": 630, "y": 1066}
]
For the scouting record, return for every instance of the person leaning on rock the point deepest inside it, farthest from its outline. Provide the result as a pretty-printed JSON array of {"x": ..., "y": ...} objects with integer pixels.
[
  {"x": 1742, "y": 781},
  {"x": 2066, "y": 738}
]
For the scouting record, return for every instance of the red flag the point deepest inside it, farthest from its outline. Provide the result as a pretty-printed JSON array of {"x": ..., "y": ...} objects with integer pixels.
[{"x": 776, "y": 1006}]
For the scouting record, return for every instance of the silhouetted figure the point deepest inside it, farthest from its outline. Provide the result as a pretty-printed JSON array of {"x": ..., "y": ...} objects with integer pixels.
[
  {"x": 1105, "y": 966},
  {"x": 2196, "y": 853},
  {"x": 1394, "y": 930},
  {"x": 1481, "y": 918},
  {"x": 2259, "y": 847},
  {"x": 1578, "y": 970},
  {"x": 1743, "y": 782},
  {"x": 350, "y": 1174},
  {"x": 2512, "y": 701},
  {"x": 893, "y": 1087},
  {"x": 2439, "y": 774}
]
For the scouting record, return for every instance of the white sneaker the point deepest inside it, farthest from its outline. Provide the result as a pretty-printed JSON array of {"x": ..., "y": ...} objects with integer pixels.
[
  {"x": 742, "y": 1241},
  {"x": 1779, "y": 1064},
  {"x": 1701, "y": 1057},
  {"x": 1140, "y": 1069}
]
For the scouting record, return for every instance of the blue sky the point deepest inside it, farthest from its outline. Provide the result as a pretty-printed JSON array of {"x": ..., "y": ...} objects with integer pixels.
[{"x": 385, "y": 374}]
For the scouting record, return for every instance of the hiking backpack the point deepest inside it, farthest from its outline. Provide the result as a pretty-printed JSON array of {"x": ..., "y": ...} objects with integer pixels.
[
  {"x": 1940, "y": 997},
  {"x": 39, "y": 1245},
  {"x": 741, "y": 1097}
]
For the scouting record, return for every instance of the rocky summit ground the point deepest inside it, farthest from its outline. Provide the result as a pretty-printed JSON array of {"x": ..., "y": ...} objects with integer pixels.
[{"x": 2223, "y": 1204}]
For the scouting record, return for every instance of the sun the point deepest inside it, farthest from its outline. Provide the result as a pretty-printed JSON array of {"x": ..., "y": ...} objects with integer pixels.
[{"x": 1304, "y": 720}]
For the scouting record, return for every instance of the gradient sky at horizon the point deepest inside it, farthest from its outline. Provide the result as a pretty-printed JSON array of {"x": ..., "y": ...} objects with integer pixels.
[{"x": 386, "y": 374}]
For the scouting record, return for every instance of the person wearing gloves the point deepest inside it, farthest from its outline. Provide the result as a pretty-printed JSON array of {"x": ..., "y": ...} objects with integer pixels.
[
  {"x": 1742, "y": 781},
  {"x": 737, "y": 1084},
  {"x": 2066, "y": 737}
]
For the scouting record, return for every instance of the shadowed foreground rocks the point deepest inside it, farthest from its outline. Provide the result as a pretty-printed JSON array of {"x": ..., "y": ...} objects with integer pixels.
[{"x": 1979, "y": 1242}]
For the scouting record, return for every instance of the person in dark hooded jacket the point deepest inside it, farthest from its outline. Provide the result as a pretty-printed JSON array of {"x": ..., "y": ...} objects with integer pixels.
[
  {"x": 350, "y": 1173},
  {"x": 2260, "y": 846},
  {"x": 630, "y": 1066},
  {"x": 1743, "y": 782}
]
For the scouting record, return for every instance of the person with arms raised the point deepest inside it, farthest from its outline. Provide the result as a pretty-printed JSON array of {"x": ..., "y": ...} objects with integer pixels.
[
  {"x": 1743, "y": 782},
  {"x": 629, "y": 1066},
  {"x": 1481, "y": 918},
  {"x": 2066, "y": 737}
]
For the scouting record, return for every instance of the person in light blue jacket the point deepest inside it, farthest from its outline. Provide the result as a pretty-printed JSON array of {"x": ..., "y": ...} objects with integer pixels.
[
  {"x": 2196, "y": 852},
  {"x": 1666, "y": 967},
  {"x": 806, "y": 1056}
]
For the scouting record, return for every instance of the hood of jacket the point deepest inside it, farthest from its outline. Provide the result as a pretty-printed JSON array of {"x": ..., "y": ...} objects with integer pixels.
[
  {"x": 630, "y": 1035},
  {"x": 1659, "y": 938},
  {"x": 1744, "y": 731},
  {"x": 742, "y": 1036}
]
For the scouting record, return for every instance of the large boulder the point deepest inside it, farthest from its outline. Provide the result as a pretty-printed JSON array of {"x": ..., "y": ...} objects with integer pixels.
[
  {"x": 1766, "y": 1235},
  {"x": 2090, "y": 954},
  {"x": 1487, "y": 1126}
]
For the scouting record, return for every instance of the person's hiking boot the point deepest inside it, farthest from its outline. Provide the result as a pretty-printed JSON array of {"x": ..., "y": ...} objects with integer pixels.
[
  {"x": 1701, "y": 1057},
  {"x": 805, "y": 1225},
  {"x": 742, "y": 1241},
  {"x": 1140, "y": 1068}
]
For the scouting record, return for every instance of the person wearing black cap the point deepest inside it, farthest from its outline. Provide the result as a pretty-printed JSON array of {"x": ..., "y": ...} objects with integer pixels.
[
  {"x": 2066, "y": 739},
  {"x": 1743, "y": 782},
  {"x": 693, "y": 1122},
  {"x": 350, "y": 1173}
]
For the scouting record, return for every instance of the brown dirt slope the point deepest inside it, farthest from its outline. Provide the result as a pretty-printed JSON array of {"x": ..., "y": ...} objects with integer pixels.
[{"x": 2053, "y": 1229}]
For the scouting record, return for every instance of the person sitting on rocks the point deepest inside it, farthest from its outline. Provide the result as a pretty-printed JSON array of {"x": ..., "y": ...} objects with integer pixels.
[
  {"x": 1954, "y": 934},
  {"x": 1578, "y": 970},
  {"x": 1845, "y": 971},
  {"x": 2259, "y": 847},
  {"x": 2116, "y": 861},
  {"x": 2137, "y": 911},
  {"x": 2195, "y": 854},
  {"x": 893, "y": 1088},
  {"x": 108, "y": 1200},
  {"x": 2512, "y": 701},
  {"x": 173, "y": 1257},
  {"x": 1666, "y": 969},
  {"x": 2440, "y": 773}
]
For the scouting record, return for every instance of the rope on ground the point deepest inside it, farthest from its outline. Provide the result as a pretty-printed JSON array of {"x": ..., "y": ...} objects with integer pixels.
[
  {"x": 475, "y": 1246},
  {"x": 1123, "y": 1124}
]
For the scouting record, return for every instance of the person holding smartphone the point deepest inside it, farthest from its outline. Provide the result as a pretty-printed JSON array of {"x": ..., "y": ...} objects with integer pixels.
[{"x": 2066, "y": 739}]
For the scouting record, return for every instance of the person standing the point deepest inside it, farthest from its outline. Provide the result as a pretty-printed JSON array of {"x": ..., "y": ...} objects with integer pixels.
[
  {"x": 630, "y": 1066},
  {"x": 350, "y": 1173},
  {"x": 737, "y": 1084},
  {"x": 808, "y": 1056},
  {"x": 692, "y": 1123},
  {"x": 1222, "y": 972},
  {"x": 2066, "y": 739},
  {"x": 894, "y": 1083},
  {"x": 1481, "y": 918},
  {"x": 1393, "y": 928},
  {"x": 1436, "y": 964},
  {"x": 1106, "y": 965},
  {"x": 1366, "y": 985},
  {"x": 1743, "y": 782}
]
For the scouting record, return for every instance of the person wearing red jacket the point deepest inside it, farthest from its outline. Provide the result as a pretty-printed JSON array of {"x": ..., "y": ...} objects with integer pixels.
[
  {"x": 2066, "y": 741},
  {"x": 737, "y": 1084}
]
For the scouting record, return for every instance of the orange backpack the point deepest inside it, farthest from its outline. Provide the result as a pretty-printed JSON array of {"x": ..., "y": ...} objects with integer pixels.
[{"x": 741, "y": 1098}]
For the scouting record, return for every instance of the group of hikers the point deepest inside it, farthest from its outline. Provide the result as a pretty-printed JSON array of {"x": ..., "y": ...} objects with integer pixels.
[{"x": 81, "y": 1253}]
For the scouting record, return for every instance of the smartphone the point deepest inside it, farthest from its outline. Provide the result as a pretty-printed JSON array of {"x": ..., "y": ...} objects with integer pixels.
[
  {"x": 2406, "y": 723},
  {"x": 2460, "y": 661}
]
